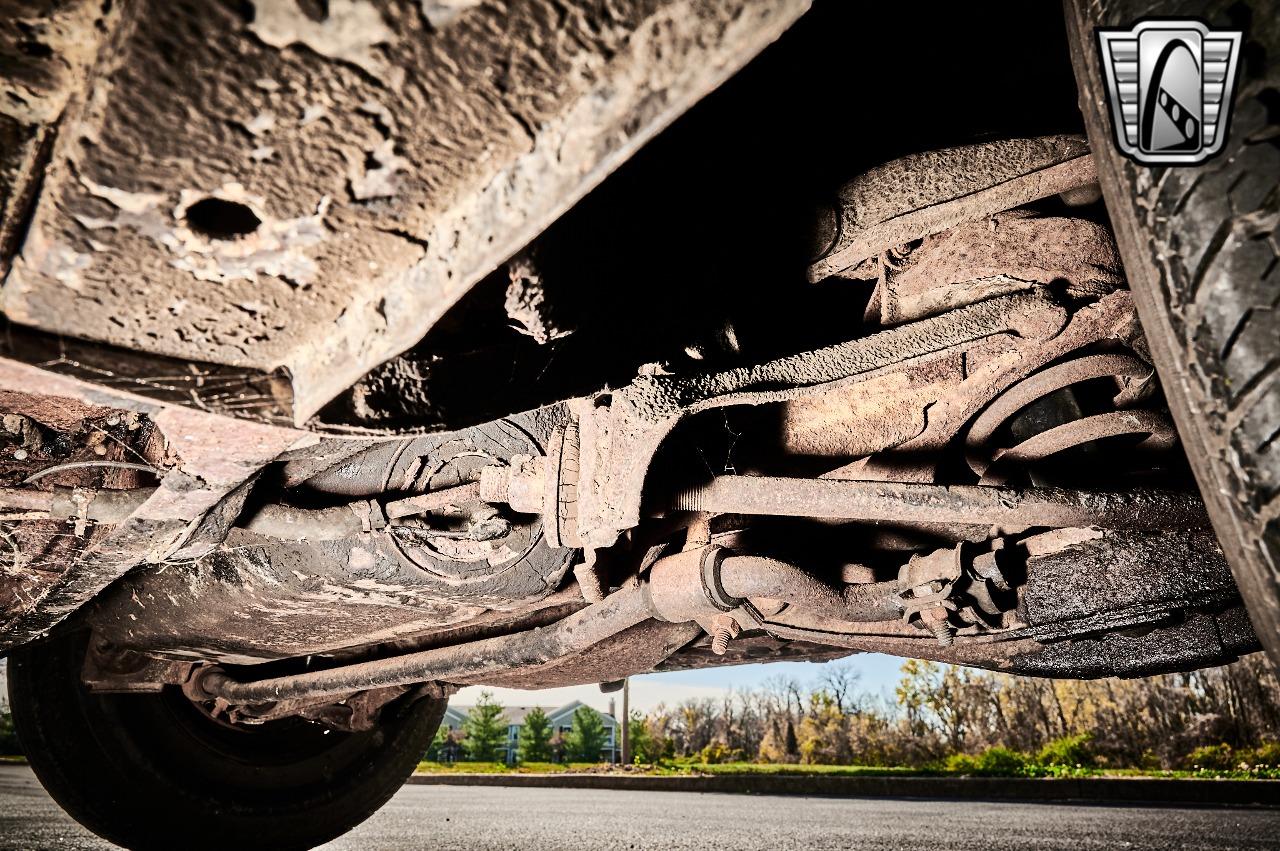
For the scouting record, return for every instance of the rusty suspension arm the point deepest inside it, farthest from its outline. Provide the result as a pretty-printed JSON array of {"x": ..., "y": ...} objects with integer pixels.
[
  {"x": 575, "y": 634},
  {"x": 962, "y": 504}
]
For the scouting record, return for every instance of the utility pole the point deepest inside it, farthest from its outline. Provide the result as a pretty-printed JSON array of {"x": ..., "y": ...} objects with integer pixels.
[{"x": 626, "y": 721}]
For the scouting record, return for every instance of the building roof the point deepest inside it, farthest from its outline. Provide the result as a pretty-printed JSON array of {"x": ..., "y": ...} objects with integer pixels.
[{"x": 516, "y": 714}]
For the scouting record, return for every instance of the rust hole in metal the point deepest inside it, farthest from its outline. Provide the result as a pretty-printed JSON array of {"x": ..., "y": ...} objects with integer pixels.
[{"x": 217, "y": 218}]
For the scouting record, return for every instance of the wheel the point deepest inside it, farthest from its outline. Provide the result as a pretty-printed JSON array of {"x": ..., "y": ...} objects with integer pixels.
[
  {"x": 1202, "y": 252},
  {"x": 155, "y": 771}
]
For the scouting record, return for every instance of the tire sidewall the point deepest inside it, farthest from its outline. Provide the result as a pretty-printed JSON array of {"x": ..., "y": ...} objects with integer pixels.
[{"x": 132, "y": 769}]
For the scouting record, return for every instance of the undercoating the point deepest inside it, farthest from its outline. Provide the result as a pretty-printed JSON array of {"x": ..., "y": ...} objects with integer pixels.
[
  {"x": 924, "y": 193},
  {"x": 1195, "y": 640},
  {"x": 1075, "y": 573},
  {"x": 247, "y": 185}
]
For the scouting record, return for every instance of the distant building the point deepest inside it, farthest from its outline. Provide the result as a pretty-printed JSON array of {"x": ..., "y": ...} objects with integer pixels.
[
  {"x": 4, "y": 685},
  {"x": 561, "y": 721}
]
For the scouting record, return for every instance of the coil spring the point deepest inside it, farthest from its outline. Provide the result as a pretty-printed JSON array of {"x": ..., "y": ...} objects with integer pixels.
[{"x": 1131, "y": 376}]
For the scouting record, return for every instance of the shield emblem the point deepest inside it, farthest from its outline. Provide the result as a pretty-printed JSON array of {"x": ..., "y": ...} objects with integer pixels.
[{"x": 1169, "y": 84}]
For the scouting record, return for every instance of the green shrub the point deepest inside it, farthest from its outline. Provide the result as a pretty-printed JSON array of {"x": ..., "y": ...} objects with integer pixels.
[
  {"x": 994, "y": 762},
  {"x": 718, "y": 752},
  {"x": 1218, "y": 757},
  {"x": 1068, "y": 751},
  {"x": 1266, "y": 755},
  {"x": 1002, "y": 761},
  {"x": 961, "y": 763}
]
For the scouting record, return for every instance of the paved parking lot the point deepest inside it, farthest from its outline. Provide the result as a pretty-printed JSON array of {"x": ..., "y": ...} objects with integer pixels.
[{"x": 453, "y": 818}]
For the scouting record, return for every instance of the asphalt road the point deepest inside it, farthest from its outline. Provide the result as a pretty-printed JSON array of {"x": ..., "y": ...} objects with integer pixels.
[{"x": 455, "y": 818}]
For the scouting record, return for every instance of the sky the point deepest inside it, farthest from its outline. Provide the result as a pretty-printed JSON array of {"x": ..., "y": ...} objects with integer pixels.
[{"x": 878, "y": 674}]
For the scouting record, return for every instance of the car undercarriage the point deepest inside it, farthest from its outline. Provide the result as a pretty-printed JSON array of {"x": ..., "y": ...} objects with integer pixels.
[
  {"x": 944, "y": 486},
  {"x": 310, "y": 415}
]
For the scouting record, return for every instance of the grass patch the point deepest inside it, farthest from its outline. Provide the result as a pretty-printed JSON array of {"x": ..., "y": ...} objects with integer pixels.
[
  {"x": 1003, "y": 766},
  {"x": 790, "y": 769},
  {"x": 426, "y": 767}
]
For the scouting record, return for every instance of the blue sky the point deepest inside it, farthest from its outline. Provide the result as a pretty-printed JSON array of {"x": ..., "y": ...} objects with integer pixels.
[
  {"x": 877, "y": 670},
  {"x": 879, "y": 674}
]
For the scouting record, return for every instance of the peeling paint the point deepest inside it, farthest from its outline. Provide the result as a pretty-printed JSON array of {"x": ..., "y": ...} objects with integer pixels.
[
  {"x": 312, "y": 113},
  {"x": 275, "y": 247},
  {"x": 350, "y": 32},
  {"x": 361, "y": 559},
  {"x": 133, "y": 203},
  {"x": 263, "y": 122},
  {"x": 442, "y": 13},
  {"x": 65, "y": 264},
  {"x": 379, "y": 181}
]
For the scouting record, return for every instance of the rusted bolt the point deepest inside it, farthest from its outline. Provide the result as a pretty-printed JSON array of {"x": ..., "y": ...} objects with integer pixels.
[
  {"x": 935, "y": 621},
  {"x": 723, "y": 630}
]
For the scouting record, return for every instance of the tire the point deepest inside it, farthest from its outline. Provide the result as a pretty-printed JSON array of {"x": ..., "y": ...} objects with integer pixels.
[
  {"x": 154, "y": 771},
  {"x": 1200, "y": 247}
]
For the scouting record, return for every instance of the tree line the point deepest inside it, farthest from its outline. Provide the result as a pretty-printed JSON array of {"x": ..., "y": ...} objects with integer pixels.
[
  {"x": 938, "y": 715},
  {"x": 1212, "y": 718}
]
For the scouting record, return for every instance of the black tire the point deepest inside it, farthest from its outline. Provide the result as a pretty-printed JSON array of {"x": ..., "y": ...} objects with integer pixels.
[
  {"x": 154, "y": 771},
  {"x": 1200, "y": 246}
]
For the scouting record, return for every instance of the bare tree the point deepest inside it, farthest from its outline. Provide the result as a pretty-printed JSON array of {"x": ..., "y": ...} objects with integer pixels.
[{"x": 841, "y": 680}]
